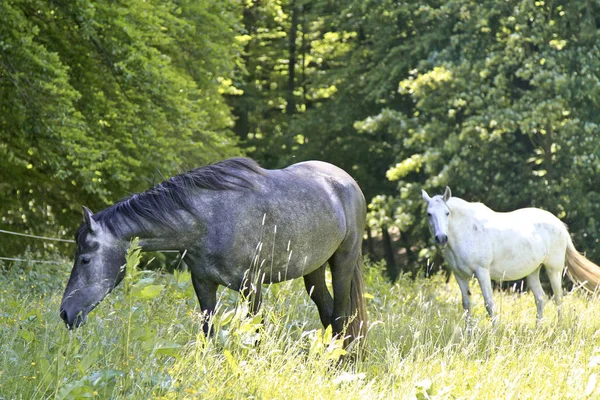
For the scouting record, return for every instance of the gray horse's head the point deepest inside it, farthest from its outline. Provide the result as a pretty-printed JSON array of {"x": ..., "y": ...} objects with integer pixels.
[
  {"x": 97, "y": 269},
  {"x": 438, "y": 213}
]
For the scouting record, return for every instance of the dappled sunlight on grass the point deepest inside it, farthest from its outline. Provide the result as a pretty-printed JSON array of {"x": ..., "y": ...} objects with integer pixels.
[{"x": 144, "y": 341}]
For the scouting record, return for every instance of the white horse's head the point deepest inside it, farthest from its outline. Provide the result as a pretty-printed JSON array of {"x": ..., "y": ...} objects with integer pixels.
[{"x": 438, "y": 213}]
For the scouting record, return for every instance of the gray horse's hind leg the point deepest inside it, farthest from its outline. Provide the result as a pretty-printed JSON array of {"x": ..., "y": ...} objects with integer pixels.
[
  {"x": 343, "y": 264},
  {"x": 317, "y": 289},
  {"x": 206, "y": 292},
  {"x": 533, "y": 282}
]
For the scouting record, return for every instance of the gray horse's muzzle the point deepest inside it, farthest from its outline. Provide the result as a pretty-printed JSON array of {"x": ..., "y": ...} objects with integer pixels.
[
  {"x": 79, "y": 302},
  {"x": 73, "y": 318}
]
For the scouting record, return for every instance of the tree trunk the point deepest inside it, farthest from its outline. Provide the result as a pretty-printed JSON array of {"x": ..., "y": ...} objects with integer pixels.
[
  {"x": 388, "y": 255},
  {"x": 290, "y": 108},
  {"x": 410, "y": 255},
  {"x": 370, "y": 249},
  {"x": 303, "y": 51},
  {"x": 241, "y": 108}
]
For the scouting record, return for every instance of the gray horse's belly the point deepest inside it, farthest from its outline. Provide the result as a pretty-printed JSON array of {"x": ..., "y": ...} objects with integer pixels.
[
  {"x": 282, "y": 255},
  {"x": 277, "y": 243}
]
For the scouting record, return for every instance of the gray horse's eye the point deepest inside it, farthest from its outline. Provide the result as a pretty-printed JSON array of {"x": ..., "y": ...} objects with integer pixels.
[{"x": 85, "y": 260}]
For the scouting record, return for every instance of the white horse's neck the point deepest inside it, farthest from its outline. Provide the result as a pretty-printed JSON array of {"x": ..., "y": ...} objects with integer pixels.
[
  {"x": 463, "y": 217},
  {"x": 463, "y": 208}
]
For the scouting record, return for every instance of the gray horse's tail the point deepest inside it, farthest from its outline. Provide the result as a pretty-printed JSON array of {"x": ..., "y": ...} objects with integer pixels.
[
  {"x": 581, "y": 270},
  {"x": 357, "y": 328}
]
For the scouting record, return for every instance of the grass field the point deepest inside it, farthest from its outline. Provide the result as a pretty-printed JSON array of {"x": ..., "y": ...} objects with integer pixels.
[{"x": 143, "y": 341}]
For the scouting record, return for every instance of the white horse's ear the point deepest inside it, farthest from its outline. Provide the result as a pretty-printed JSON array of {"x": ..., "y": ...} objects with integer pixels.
[
  {"x": 425, "y": 196},
  {"x": 88, "y": 220},
  {"x": 447, "y": 194}
]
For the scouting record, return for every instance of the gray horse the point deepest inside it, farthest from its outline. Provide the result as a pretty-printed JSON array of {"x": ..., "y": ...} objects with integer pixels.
[{"x": 240, "y": 225}]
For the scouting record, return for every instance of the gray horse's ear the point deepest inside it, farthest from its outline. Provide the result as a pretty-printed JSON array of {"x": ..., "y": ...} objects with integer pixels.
[
  {"x": 447, "y": 194},
  {"x": 88, "y": 220},
  {"x": 425, "y": 196}
]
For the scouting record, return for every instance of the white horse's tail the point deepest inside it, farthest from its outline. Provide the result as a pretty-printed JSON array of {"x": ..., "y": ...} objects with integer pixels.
[{"x": 581, "y": 270}]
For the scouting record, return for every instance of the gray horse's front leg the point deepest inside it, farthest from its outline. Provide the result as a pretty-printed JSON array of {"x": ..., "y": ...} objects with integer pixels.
[
  {"x": 485, "y": 282},
  {"x": 206, "y": 292}
]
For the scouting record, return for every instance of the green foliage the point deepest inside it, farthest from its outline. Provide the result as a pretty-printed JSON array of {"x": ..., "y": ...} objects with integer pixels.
[
  {"x": 97, "y": 96},
  {"x": 301, "y": 90},
  {"x": 496, "y": 100}
]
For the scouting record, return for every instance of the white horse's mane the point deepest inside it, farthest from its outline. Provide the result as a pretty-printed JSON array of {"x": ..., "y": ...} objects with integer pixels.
[{"x": 458, "y": 205}]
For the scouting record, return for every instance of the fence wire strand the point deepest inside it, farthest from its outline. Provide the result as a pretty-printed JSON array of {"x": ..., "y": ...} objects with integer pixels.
[
  {"x": 37, "y": 237},
  {"x": 31, "y": 261},
  {"x": 55, "y": 240}
]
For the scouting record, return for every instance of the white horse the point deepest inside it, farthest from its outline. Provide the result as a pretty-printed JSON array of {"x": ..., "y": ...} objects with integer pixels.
[{"x": 476, "y": 241}]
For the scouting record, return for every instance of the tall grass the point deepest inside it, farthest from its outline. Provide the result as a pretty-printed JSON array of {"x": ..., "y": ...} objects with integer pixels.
[{"x": 144, "y": 341}]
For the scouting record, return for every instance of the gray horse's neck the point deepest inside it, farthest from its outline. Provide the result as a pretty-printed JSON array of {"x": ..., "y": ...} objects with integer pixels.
[{"x": 158, "y": 238}]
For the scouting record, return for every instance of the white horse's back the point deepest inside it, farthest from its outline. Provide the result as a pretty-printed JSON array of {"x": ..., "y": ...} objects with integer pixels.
[
  {"x": 477, "y": 241},
  {"x": 510, "y": 244}
]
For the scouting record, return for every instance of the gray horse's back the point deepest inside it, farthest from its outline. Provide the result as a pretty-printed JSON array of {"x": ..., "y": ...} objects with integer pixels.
[
  {"x": 340, "y": 182},
  {"x": 290, "y": 223}
]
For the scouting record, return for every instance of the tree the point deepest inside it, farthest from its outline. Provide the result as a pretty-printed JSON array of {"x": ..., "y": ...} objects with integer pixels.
[
  {"x": 503, "y": 111},
  {"x": 97, "y": 96}
]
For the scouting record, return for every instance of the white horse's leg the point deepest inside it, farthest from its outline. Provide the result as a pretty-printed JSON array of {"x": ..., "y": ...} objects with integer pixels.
[
  {"x": 533, "y": 282},
  {"x": 466, "y": 294},
  {"x": 483, "y": 276},
  {"x": 555, "y": 277}
]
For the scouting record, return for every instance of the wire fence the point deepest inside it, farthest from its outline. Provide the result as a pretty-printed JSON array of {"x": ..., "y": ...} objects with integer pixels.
[
  {"x": 15, "y": 259},
  {"x": 28, "y": 260},
  {"x": 36, "y": 237},
  {"x": 50, "y": 239}
]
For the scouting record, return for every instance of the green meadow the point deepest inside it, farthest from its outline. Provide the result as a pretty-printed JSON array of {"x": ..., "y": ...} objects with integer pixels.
[{"x": 144, "y": 341}]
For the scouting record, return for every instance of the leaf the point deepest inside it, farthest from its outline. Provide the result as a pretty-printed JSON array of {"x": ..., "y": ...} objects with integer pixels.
[
  {"x": 226, "y": 317},
  {"x": 170, "y": 349},
  {"x": 46, "y": 370},
  {"x": 104, "y": 376},
  {"x": 88, "y": 360},
  {"x": 328, "y": 334},
  {"x": 591, "y": 384},
  {"x": 231, "y": 361},
  {"x": 148, "y": 292},
  {"x": 26, "y": 335}
]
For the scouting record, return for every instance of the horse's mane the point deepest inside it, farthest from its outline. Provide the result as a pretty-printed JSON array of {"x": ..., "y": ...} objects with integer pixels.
[
  {"x": 158, "y": 203},
  {"x": 459, "y": 205},
  {"x": 457, "y": 202}
]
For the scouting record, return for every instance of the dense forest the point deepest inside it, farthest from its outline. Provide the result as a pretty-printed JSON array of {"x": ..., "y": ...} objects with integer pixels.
[{"x": 497, "y": 99}]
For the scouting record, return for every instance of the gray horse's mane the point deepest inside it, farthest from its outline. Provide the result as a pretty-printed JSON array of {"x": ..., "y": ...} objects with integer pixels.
[{"x": 158, "y": 203}]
